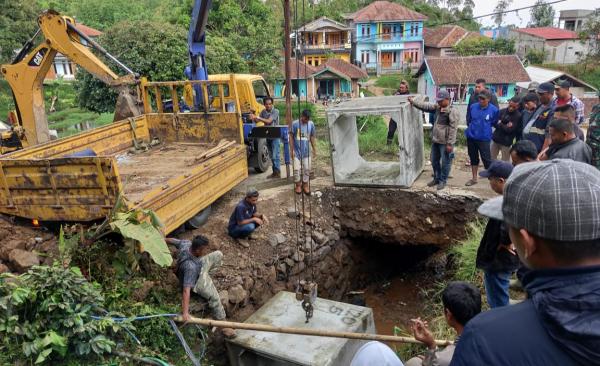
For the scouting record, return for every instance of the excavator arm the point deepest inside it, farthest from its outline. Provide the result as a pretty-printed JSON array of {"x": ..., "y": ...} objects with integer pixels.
[{"x": 26, "y": 74}]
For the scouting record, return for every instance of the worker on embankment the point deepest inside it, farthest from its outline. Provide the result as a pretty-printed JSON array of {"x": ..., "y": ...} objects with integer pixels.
[
  {"x": 302, "y": 133},
  {"x": 194, "y": 263},
  {"x": 244, "y": 219},
  {"x": 393, "y": 125}
]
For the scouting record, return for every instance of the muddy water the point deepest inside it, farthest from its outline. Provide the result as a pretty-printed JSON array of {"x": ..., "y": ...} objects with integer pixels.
[{"x": 396, "y": 301}]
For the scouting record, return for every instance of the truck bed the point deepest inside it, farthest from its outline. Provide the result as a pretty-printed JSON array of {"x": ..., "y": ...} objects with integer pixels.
[{"x": 145, "y": 171}]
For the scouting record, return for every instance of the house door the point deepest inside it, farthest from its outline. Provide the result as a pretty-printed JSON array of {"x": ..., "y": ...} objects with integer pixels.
[
  {"x": 327, "y": 87},
  {"x": 386, "y": 59}
]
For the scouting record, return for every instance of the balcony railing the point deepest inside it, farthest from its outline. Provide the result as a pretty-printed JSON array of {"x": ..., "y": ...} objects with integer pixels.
[
  {"x": 333, "y": 47},
  {"x": 388, "y": 38}
]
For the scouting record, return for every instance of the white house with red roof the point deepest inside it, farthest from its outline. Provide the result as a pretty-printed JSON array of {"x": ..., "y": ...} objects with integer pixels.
[
  {"x": 561, "y": 46},
  {"x": 63, "y": 68}
]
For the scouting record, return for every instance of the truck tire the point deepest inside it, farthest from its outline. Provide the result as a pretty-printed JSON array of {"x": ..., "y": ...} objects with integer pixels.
[
  {"x": 199, "y": 219},
  {"x": 262, "y": 156}
]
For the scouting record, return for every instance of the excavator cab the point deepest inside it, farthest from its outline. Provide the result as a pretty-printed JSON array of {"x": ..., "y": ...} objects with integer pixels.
[{"x": 26, "y": 73}]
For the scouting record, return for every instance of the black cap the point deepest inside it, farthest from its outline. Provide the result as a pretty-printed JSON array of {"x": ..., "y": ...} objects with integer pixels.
[
  {"x": 485, "y": 94},
  {"x": 497, "y": 169},
  {"x": 545, "y": 88},
  {"x": 564, "y": 84}
]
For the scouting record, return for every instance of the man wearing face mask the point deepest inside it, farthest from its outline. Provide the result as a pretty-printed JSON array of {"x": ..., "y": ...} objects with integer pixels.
[{"x": 551, "y": 211}]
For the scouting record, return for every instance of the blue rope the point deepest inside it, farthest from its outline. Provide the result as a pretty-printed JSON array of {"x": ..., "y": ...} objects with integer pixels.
[{"x": 144, "y": 317}]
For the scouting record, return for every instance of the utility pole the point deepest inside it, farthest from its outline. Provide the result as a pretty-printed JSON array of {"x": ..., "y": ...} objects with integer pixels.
[{"x": 287, "y": 68}]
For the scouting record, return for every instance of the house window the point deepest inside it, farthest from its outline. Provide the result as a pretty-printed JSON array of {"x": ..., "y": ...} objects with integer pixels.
[
  {"x": 414, "y": 29},
  {"x": 364, "y": 57},
  {"x": 366, "y": 30},
  {"x": 394, "y": 57}
]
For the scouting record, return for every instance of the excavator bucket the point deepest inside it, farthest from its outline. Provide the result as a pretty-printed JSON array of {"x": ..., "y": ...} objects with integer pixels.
[{"x": 127, "y": 105}]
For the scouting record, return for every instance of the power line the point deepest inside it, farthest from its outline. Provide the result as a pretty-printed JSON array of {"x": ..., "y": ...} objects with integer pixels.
[{"x": 498, "y": 12}]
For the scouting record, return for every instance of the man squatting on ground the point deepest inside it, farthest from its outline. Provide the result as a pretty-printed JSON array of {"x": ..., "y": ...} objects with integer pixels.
[
  {"x": 244, "y": 219},
  {"x": 194, "y": 263},
  {"x": 270, "y": 117},
  {"x": 443, "y": 136},
  {"x": 302, "y": 141}
]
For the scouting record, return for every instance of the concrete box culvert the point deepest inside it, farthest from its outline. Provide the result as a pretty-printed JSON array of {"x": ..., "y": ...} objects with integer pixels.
[{"x": 350, "y": 168}]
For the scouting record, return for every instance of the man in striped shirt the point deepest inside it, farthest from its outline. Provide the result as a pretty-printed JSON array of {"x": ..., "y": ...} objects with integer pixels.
[{"x": 564, "y": 96}]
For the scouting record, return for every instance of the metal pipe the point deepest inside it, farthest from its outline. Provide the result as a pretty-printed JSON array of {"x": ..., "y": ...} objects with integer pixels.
[
  {"x": 306, "y": 331},
  {"x": 100, "y": 48}
]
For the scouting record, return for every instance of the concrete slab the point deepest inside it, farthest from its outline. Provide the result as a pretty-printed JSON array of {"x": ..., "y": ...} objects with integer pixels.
[
  {"x": 252, "y": 348},
  {"x": 349, "y": 168}
]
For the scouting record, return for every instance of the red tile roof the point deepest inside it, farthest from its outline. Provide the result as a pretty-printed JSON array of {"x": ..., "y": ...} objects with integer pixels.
[
  {"x": 88, "y": 31},
  {"x": 385, "y": 11},
  {"x": 340, "y": 66},
  {"x": 494, "y": 69},
  {"x": 299, "y": 70},
  {"x": 444, "y": 36},
  {"x": 549, "y": 33}
]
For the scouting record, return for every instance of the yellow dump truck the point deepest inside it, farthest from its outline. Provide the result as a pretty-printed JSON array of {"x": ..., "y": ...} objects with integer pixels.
[{"x": 175, "y": 163}]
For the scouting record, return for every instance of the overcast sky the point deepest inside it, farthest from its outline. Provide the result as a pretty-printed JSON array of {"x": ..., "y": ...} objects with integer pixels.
[{"x": 487, "y": 6}]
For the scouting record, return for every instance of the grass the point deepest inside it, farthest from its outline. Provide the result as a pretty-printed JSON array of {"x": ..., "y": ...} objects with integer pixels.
[
  {"x": 392, "y": 81},
  {"x": 367, "y": 92},
  {"x": 463, "y": 256},
  {"x": 372, "y": 138}
]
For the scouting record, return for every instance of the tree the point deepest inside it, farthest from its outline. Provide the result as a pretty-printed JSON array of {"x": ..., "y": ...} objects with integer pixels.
[
  {"x": 223, "y": 56},
  {"x": 535, "y": 57},
  {"x": 153, "y": 49},
  {"x": 17, "y": 25},
  {"x": 483, "y": 45},
  {"x": 501, "y": 7},
  {"x": 589, "y": 33},
  {"x": 542, "y": 15}
]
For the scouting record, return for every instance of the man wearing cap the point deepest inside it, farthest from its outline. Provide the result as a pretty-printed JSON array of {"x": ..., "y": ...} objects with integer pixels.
[
  {"x": 496, "y": 255},
  {"x": 482, "y": 117},
  {"x": 244, "y": 219},
  {"x": 506, "y": 129},
  {"x": 551, "y": 210},
  {"x": 565, "y": 145},
  {"x": 536, "y": 129},
  {"x": 564, "y": 96},
  {"x": 443, "y": 136},
  {"x": 474, "y": 98}
]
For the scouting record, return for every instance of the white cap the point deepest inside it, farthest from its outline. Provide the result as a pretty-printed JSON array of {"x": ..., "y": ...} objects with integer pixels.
[{"x": 375, "y": 354}]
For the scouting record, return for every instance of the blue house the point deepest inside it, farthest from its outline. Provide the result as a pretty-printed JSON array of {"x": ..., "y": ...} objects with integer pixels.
[{"x": 388, "y": 37}]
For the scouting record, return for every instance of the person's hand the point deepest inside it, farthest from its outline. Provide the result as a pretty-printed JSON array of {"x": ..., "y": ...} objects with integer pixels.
[
  {"x": 509, "y": 125},
  {"x": 543, "y": 155},
  {"x": 258, "y": 221},
  {"x": 422, "y": 333},
  {"x": 265, "y": 220},
  {"x": 185, "y": 317},
  {"x": 314, "y": 154},
  {"x": 449, "y": 148},
  {"x": 410, "y": 100}
]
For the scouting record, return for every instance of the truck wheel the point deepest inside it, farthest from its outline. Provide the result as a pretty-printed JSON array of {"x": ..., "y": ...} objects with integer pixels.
[
  {"x": 200, "y": 219},
  {"x": 262, "y": 156}
]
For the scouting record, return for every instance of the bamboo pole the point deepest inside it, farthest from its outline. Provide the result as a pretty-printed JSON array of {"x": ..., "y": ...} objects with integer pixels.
[{"x": 306, "y": 331}]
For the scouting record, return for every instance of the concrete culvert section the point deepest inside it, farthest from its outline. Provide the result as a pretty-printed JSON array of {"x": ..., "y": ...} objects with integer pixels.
[{"x": 350, "y": 168}]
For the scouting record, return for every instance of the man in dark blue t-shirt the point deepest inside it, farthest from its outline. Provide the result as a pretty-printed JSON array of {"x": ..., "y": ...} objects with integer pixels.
[{"x": 244, "y": 219}]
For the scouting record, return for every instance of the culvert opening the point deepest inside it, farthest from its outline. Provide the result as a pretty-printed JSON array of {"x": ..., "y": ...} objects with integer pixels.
[{"x": 390, "y": 278}]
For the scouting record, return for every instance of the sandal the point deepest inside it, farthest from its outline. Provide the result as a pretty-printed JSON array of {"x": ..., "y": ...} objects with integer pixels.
[{"x": 470, "y": 182}]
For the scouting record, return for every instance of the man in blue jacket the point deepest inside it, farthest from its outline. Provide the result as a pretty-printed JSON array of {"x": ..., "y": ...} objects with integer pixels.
[
  {"x": 482, "y": 116},
  {"x": 551, "y": 210}
]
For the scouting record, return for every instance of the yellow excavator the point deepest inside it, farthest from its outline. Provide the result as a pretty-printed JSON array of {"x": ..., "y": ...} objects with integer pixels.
[{"x": 26, "y": 73}]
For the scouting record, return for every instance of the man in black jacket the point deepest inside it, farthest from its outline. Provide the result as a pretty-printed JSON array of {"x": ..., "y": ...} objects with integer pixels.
[
  {"x": 506, "y": 130},
  {"x": 551, "y": 211},
  {"x": 496, "y": 255}
]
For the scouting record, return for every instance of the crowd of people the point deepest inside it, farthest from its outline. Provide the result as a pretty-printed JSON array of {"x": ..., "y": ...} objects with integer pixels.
[{"x": 544, "y": 226}]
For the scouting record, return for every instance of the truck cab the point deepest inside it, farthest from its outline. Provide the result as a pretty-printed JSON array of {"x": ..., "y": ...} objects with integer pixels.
[{"x": 251, "y": 90}]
